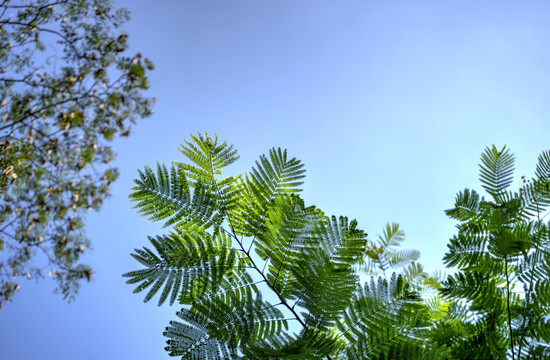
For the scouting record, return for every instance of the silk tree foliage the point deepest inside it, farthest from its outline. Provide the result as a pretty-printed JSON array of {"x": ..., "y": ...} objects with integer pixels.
[
  {"x": 67, "y": 87},
  {"x": 501, "y": 291},
  {"x": 259, "y": 274}
]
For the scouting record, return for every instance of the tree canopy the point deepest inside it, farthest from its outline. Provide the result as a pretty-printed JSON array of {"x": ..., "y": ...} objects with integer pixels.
[
  {"x": 67, "y": 87},
  {"x": 260, "y": 274},
  {"x": 500, "y": 292}
]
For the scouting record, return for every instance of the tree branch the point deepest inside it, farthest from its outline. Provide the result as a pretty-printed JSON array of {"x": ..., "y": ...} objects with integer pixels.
[{"x": 508, "y": 306}]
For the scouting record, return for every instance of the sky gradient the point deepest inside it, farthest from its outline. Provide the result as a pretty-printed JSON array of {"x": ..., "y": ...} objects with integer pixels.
[{"x": 388, "y": 103}]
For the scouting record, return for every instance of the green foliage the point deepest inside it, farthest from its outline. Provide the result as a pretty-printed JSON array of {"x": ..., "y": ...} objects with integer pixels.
[
  {"x": 60, "y": 105},
  {"x": 261, "y": 275},
  {"x": 387, "y": 320},
  {"x": 500, "y": 293},
  {"x": 385, "y": 254}
]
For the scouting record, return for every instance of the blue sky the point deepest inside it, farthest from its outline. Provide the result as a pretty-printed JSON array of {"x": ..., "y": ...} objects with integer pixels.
[{"x": 388, "y": 103}]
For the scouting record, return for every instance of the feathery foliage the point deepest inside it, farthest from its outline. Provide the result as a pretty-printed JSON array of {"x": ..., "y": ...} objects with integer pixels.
[
  {"x": 501, "y": 292},
  {"x": 261, "y": 275}
]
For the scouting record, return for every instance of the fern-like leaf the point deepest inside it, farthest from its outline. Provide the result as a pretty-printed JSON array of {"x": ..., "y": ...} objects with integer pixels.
[
  {"x": 467, "y": 205},
  {"x": 384, "y": 254},
  {"x": 272, "y": 176},
  {"x": 185, "y": 266},
  {"x": 496, "y": 171},
  {"x": 325, "y": 271},
  {"x": 307, "y": 344},
  {"x": 167, "y": 195},
  {"x": 213, "y": 322},
  {"x": 536, "y": 192},
  {"x": 279, "y": 242},
  {"x": 381, "y": 317},
  {"x": 208, "y": 157}
]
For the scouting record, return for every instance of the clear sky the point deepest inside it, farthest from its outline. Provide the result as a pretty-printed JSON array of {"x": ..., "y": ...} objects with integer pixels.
[{"x": 388, "y": 103}]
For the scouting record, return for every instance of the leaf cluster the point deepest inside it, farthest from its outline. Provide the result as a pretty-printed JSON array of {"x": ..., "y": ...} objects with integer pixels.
[
  {"x": 501, "y": 290},
  {"x": 67, "y": 86},
  {"x": 259, "y": 274}
]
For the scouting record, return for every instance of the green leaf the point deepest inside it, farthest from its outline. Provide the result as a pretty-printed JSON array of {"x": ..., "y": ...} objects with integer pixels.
[
  {"x": 496, "y": 171},
  {"x": 467, "y": 205},
  {"x": 186, "y": 267},
  {"x": 167, "y": 195},
  {"x": 274, "y": 176}
]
